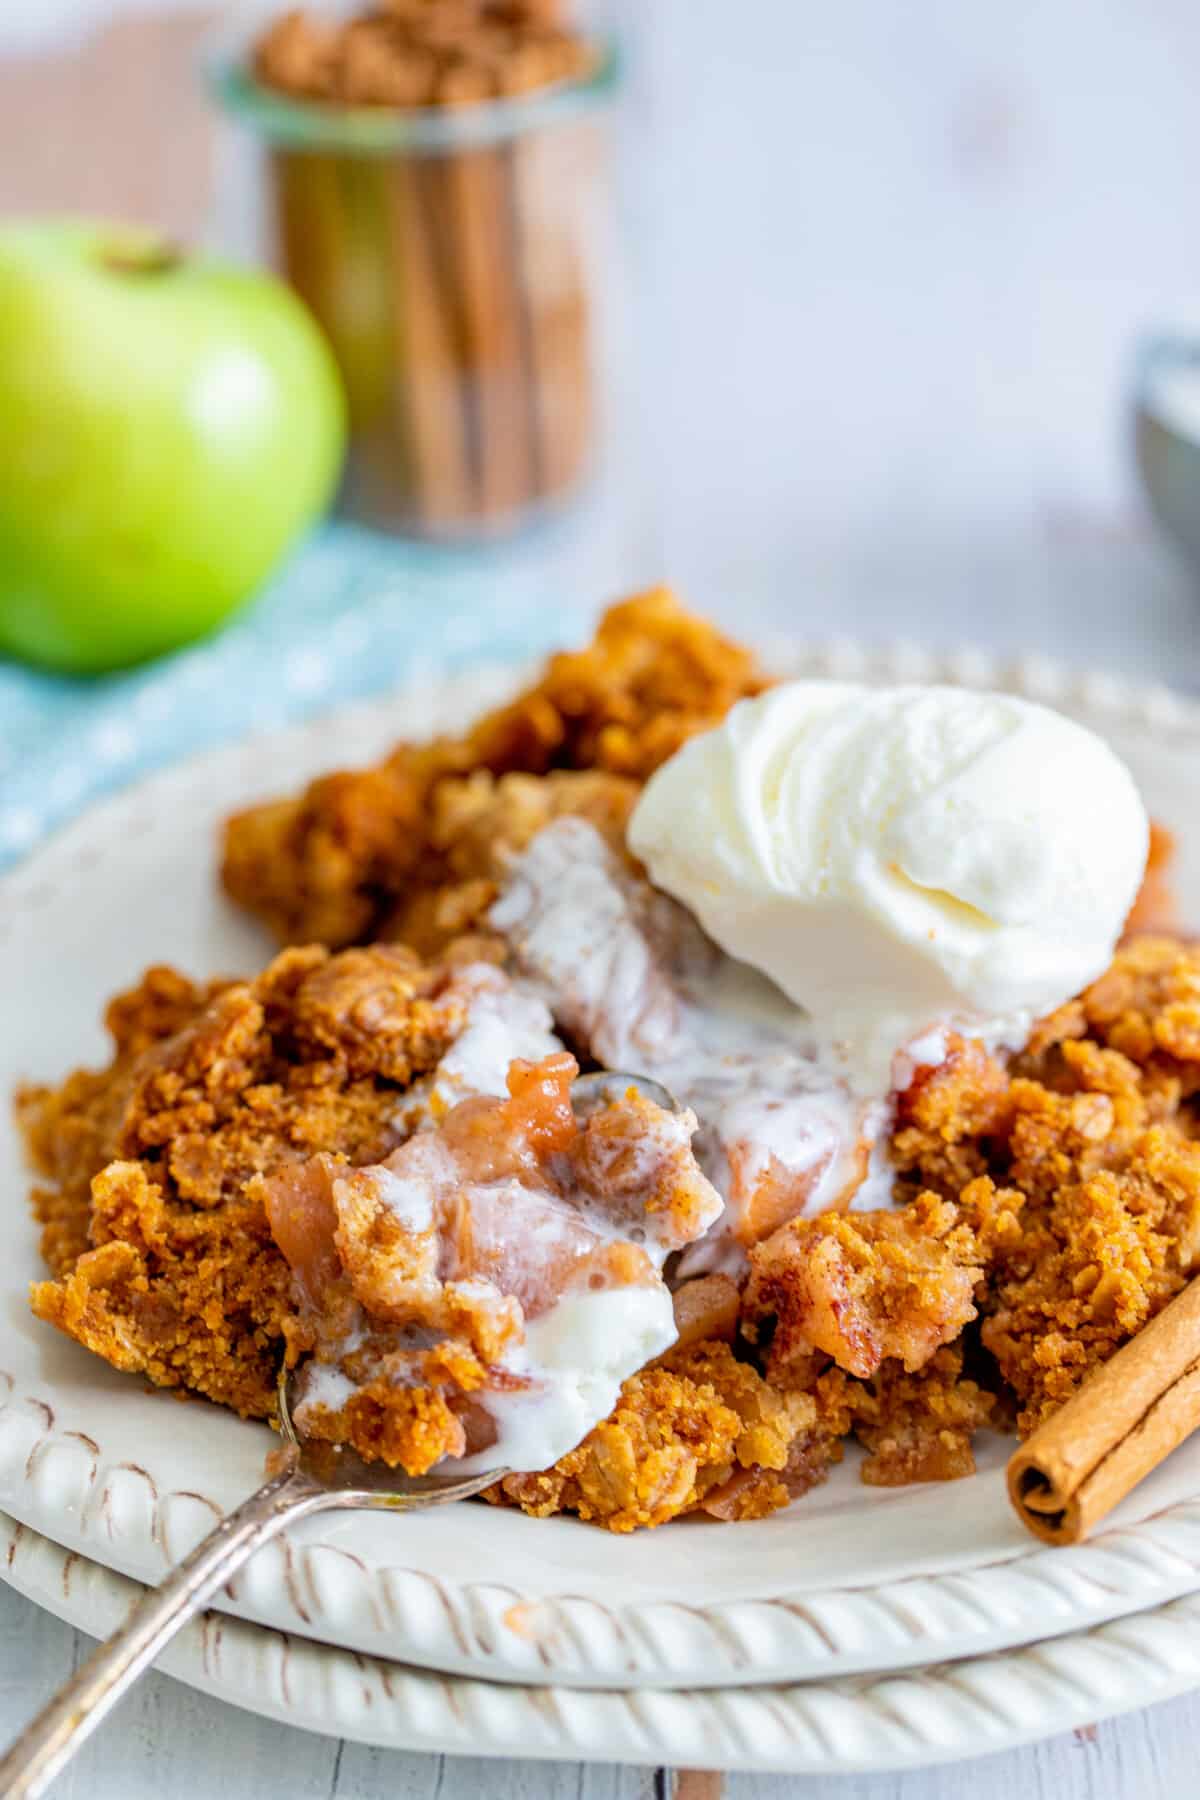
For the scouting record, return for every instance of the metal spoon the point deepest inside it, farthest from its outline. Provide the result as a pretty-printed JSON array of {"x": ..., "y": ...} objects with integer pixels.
[
  {"x": 292, "y": 1493},
  {"x": 307, "y": 1479},
  {"x": 590, "y": 1092}
]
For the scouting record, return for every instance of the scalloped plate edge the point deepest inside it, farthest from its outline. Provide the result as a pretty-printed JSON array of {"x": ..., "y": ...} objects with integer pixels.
[{"x": 938, "y": 1713}]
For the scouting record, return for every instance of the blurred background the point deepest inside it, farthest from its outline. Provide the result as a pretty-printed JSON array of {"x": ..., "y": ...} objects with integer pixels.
[{"x": 873, "y": 299}]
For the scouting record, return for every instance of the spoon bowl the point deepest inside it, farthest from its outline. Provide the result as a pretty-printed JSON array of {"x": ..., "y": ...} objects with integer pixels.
[
  {"x": 338, "y": 1469},
  {"x": 589, "y": 1093}
]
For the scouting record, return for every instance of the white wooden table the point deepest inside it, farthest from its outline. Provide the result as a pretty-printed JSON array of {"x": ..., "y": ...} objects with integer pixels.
[
  {"x": 891, "y": 261},
  {"x": 170, "y": 1743}
]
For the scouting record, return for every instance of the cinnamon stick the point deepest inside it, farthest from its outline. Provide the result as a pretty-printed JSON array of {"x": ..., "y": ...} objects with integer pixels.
[
  {"x": 484, "y": 291},
  {"x": 478, "y": 207},
  {"x": 379, "y": 478},
  {"x": 549, "y": 193},
  {"x": 1124, "y": 1421},
  {"x": 306, "y": 209},
  {"x": 433, "y": 403}
]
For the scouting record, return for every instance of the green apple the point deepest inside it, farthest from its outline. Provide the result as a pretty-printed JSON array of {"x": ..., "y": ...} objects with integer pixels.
[{"x": 168, "y": 426}]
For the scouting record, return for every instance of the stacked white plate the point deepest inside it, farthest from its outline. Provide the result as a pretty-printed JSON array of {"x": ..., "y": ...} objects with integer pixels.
[{"x": 864, "y": 1628}]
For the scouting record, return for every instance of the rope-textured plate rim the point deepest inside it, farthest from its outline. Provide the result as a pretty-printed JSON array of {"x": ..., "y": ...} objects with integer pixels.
[{"x": 931, "y": 1714}]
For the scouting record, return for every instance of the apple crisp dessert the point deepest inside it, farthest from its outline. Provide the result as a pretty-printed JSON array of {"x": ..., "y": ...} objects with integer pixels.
[{"x": 365, "y": 1162}]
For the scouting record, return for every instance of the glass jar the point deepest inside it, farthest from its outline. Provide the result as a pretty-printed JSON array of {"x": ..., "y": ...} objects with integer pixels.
[{"x": 454, "y": 257}]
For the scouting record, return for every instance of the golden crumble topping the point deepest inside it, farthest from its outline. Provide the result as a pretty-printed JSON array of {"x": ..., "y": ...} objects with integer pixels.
[
  {"x": 1154, "y": 908},
  {"x": 917, "y": 1425},
  {"x": 1079, "y": 1169},
  {"x": 859, "y": 1287},
  {"x": 477, "y": 824},
  {"x": 698, "y": 1431},
  {"x": 164, "y": 1260},
  {"x": 71, "y": 1131},
  {"x": 333, "y": 864}
]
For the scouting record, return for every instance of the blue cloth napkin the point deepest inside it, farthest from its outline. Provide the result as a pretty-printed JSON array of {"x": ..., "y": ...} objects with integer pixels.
[{"x": 351, "y": 614}]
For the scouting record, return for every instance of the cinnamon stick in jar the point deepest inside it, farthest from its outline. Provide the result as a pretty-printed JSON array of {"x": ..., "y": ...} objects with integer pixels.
[
  {"x": 431, "y": 399},
  {"x": 549, "y": 189},
  {"x": 436, "y": 218},
  {"x": 1126, "y": 1419},
  {"x": 476, "y": 204}
]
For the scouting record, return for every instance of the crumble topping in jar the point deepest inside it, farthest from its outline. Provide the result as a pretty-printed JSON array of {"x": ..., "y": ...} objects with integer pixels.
[{"x": 486, "y": 1289}]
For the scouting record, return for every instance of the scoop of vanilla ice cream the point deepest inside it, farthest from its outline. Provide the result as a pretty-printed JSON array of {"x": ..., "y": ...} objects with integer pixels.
[{"x": 898, "y": 859}]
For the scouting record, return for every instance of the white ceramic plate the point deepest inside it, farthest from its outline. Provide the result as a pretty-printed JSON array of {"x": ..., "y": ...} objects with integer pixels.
[
  {"x": 851, "y": 1579},
  {"x": 894, "y": 1721}
]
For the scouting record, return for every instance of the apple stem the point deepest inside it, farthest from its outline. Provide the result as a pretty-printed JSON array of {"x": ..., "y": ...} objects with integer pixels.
[{"x": 139, "y": 256}]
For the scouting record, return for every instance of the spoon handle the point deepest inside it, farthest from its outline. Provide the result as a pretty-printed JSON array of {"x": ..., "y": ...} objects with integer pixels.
[{"x": 89, "y": 1696}]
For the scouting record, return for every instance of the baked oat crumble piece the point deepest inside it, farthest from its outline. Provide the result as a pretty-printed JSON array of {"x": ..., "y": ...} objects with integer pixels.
[
  {"x": 478, "y": 825},
  {"x": 1154, "y": 910},
  {"x": 72, "y": 1130},
  {"x": 333, "y": 863},
  {"x": 697, "y": 1431},
  {"x": 1084, "y": 1183},
  {"x": 859, "y": 1287},
  {"x": 919, "y": 1425},
  {"x": 162, "y": 1256}
]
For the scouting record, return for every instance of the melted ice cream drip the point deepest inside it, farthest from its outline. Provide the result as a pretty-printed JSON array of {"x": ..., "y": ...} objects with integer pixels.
[
  {"x": 512, "y": 1232},
  {"x": 631, "y": 978},
  {"x": 505, "y": 1020}
]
